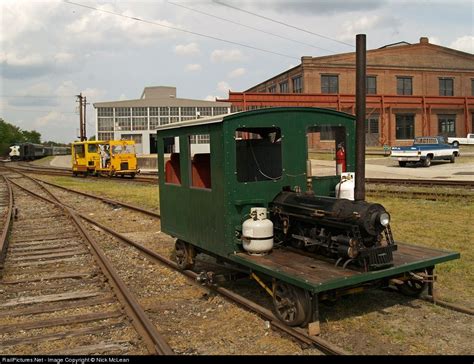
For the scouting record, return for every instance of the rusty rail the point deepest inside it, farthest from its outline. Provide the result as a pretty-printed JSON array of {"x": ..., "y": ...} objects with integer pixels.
[
  {"x": 7, "y": 223},
  {"x": 371, "y": 180},
  {"x": 154, "y": 341}
]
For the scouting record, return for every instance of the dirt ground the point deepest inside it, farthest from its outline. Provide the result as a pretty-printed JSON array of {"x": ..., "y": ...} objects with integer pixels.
[{"x": 375, "y": 322}]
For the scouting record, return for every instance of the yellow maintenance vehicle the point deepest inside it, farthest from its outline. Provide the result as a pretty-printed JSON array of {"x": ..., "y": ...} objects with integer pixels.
[{"x": 107, "y": 158}]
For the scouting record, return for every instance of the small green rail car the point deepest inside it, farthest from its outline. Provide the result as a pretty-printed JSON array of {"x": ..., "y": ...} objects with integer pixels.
[{"x": 259, "y": 190}]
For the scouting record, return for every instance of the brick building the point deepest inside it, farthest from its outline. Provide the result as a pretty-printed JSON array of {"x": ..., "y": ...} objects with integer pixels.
[{"x": 412, "y": 90}]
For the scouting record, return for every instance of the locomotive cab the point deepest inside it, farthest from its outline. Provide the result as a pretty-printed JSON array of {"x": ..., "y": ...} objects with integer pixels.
[
  {"x": 85, "y": 157},
  {"x": 222, "y": 177}
]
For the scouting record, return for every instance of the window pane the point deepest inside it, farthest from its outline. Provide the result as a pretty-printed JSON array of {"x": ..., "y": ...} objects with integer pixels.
[
  {"x": 200, "y": 160},
  {"x": 371, "y": 85},
  {"x": 329, "y": 84},
  {"x": 258, "y": 154},
  {"x": 447, "y": 125},
  {"x": 404, "y": 86},
  {"x": 105, "y": 111},
  {"x": 322, "y": 151},
  {"x": 297, "y": 85},
  {"x": 446, "y": 87},
  {"x": 284, "y": 87},
  {"x": 220, "y": 110},
  {"x": 172, "y": 165},
  {"x": 122, "y": 111}
]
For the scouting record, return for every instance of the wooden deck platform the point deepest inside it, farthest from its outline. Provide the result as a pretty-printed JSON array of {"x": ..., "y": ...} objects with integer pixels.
[{"x": 319, "y": 275}]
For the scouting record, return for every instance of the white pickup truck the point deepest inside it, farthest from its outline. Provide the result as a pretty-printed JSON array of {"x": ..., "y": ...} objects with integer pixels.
[
  {"x": 424, "y": 150},
  {"x": 455, "y": 141}
]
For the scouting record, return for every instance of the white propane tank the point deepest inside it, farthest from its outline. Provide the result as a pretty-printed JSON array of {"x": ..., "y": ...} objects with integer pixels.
[
  {"x": 345, "y": 188},
  {"x": 257, "y": 232}
]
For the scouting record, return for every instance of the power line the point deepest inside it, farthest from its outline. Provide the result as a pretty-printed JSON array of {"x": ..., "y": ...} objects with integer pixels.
[
  {"x": 36, "y": 96},
  {"x": 282, "y": 23},
  {"x": 250, "y": 27},
  {"x": 180, "y": 30},
  {"x": 33, "y": 110}
]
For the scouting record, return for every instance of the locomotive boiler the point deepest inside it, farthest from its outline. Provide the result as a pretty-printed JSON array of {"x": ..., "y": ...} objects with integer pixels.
[{"x": 350, "y": 231}]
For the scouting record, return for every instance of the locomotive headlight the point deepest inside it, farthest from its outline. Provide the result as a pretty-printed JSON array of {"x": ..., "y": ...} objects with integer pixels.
[{"x": 384, "y": 219}]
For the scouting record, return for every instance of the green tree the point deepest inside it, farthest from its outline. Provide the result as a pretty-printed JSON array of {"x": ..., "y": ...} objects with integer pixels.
[
  {"x": 11, "y": 134},
  {"x": 31, "y": 136}
]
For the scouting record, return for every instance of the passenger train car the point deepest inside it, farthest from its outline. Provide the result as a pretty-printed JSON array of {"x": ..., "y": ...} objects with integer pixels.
[
  {"x": 264, "y": 200},
  {"x": 31, "y": 151}
]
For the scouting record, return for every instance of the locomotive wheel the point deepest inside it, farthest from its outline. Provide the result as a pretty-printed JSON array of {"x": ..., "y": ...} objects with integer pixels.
[
  {"x": 412, "y": 288},
  {"x": 291, "y": 304},
  {"x": 184, "y": 254}
]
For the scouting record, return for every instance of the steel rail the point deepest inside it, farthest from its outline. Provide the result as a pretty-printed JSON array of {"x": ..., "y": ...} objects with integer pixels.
[
  {"x": 7, "y": 223},
  {"x": 438, "y": 302},
  {"x": 320, "y": 343},
  {"x": 420, "y": 182},
  {"x": 303, "y": 337},
  {"x": 103, "y": 199},
  {"x": 370, "y": 180},
  {"x": 154, "y": 341}
]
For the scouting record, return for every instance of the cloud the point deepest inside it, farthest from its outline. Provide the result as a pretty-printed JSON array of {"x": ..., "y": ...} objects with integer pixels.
[
  {"x": 53, "y": 118},
  {"x": 238, "y": 72},
  {"x": 187, "y": 50},
  {"x": 311, "y": 8},
  {"x": 39, "y": 94},
  {"x": 226, "y": 55},
  {"x": 223, "y": 87},
  {"x": 194, "y": 67},
  {"x": 29, "y": 64},
  {"x": 464, "y": 44},
  {"x": 366, "y": 23},
  {"x": 97, "y": 27}
]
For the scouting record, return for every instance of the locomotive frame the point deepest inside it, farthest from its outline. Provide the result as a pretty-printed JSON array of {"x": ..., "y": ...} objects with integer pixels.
[{"x": 205, "y": 197}]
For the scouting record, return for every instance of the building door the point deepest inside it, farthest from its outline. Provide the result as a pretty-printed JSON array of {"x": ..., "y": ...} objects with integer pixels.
[{"x": 372, "y": 131}]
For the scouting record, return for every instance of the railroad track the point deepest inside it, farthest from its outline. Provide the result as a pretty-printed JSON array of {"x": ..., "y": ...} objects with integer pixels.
[
  {"x": 153, "y": 178},
  {"x": 297, "y": 334},
  {"x": 60, "y": 295},
  {"x": 263, "y": 312}
]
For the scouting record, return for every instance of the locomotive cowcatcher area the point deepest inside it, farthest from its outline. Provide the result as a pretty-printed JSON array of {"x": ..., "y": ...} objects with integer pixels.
[{"x": 323, "y": 248}]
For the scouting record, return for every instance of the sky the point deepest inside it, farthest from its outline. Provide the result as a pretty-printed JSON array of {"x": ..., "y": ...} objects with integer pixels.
[{"x": 52, "y": 50}]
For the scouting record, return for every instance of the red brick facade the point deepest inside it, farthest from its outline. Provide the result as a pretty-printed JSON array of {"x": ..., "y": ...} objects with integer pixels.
[{"x": 431, "y": 71}]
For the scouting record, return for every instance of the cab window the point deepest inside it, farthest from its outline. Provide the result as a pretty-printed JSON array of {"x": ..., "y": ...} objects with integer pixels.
[
  {"x": 323, "y": 143},
  {"x": 258, "y": 154},
  {"x": 79, "y": 150},
  {"x": 200, "y": 161},
  {"x": 172, "y": 161}
]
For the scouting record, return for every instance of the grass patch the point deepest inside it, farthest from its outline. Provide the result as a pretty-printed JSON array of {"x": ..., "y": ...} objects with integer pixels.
[
  {"x": 444, "y": 225},
  {"x": 140, "y": 194},
  {"x": 45, "y": 161}
]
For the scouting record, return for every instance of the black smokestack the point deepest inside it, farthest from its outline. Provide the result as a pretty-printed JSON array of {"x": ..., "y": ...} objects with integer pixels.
[{"x": 359, "y": 192}]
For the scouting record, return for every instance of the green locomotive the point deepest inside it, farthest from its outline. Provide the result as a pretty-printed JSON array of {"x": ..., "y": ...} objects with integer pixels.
[{"x": 260, "y": 191}]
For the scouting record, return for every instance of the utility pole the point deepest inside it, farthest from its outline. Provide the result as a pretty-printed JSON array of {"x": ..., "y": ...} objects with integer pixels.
[
  {"x": 82, "y": 100},
  {"x": 84, "y": 121},
  {"x": 81, "y": 129}
]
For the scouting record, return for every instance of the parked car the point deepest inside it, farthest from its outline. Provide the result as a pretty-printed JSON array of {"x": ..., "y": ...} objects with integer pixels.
[
  {"x": 455, "y": 141},
  {"x": 424, "y": 150}
]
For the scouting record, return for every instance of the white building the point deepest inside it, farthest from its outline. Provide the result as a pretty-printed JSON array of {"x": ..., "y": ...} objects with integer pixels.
[{"x": 138, "y": 119}]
